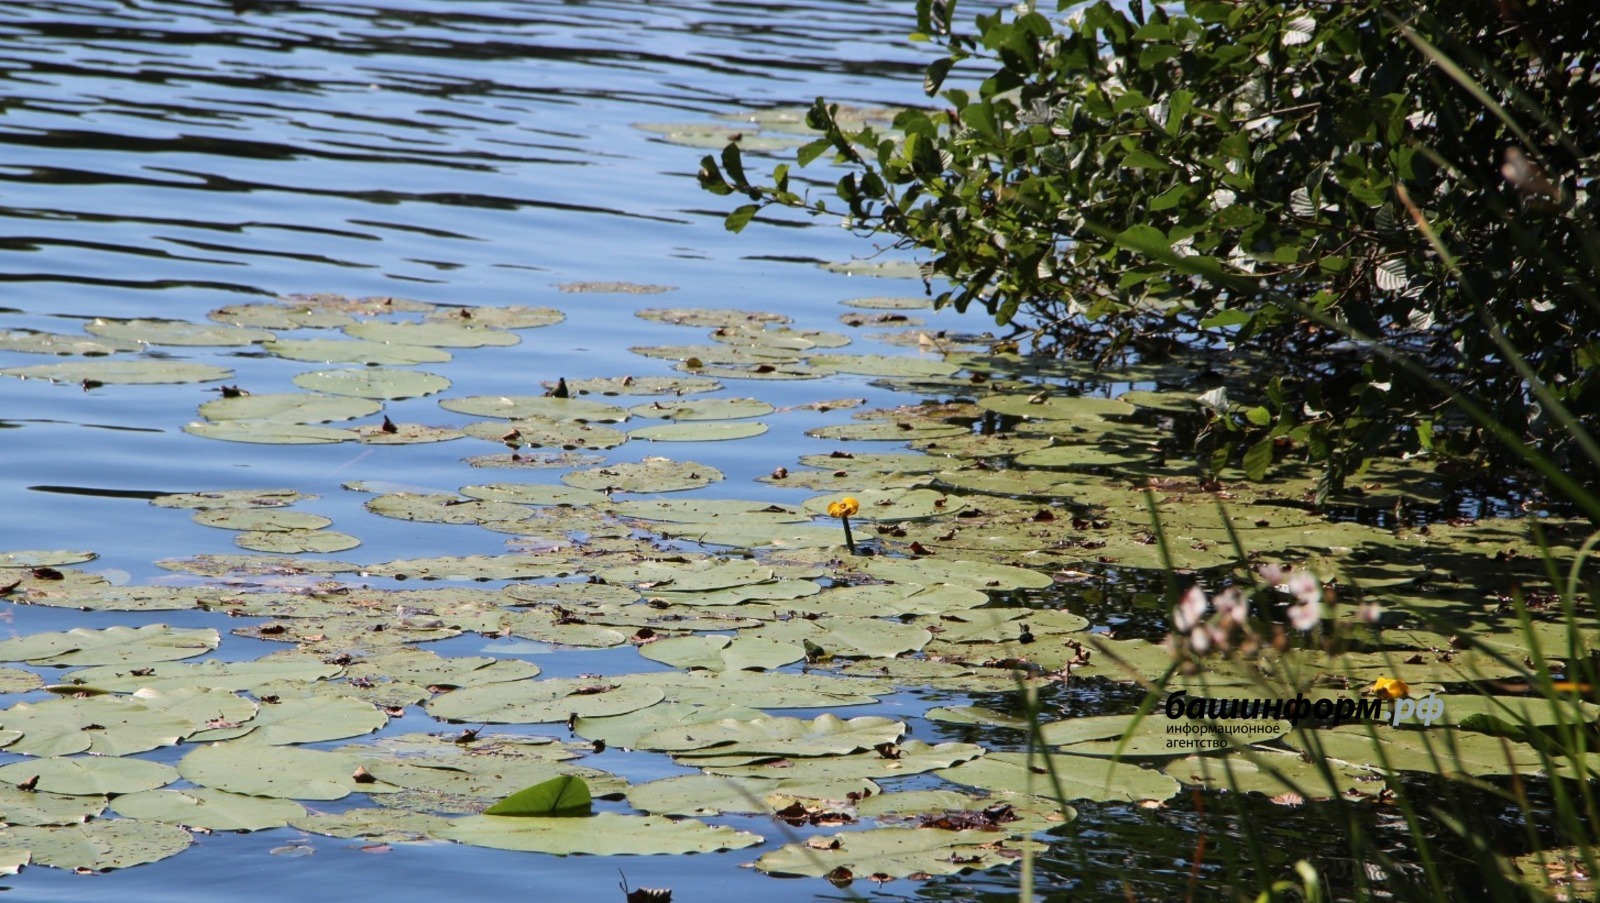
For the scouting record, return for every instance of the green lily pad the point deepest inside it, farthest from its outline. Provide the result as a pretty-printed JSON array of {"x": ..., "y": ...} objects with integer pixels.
[
  {"x": 974, "y": 574},
  {"x": 1435, "y": 750},
  {"x": 266, "y": 432},
  {"x": 643, "y": 385},
  {"x": 38, "y": 558},
  {"x": 536, "y": 407},
  {"x": 721, "y": 653},
  {"x": 283, "y": 772},
  {"x": 114, "y": 645},
  {"x": 709, "y": 318},
  {"x": 884, "y": 269},
  {"x": 279, "y": 316},
  {"x": 310, "y": 719},
  {"x": 218, "y": 675},
  {"x": 16, "y": 680},
  {"x": 98, "y": 845},
  {"x": 890, "y": 505},
  {"x": 514, "y": 316},
  {"x": 373, "y": 382},
  {"x": 882, "y": 365},
  {"x": 1043, "y": 406},
  {"x": 602, "y": 834},
  {"x": 35, "y": 342},
  {"x": 1276, "y": 773},
  {"x": 705, "y": 511},
  {"x": 390, "y": 433},
  {"x": 562, "y": 795},
  {"x": 38, "y": 807},
  {"x": 887, "y": 431},
  {"x": 908, "y": 758},
  {"x": 295, "y": 542},
  {"x": 703, "y": 795},
  {"x": 623, "y": 731},
  {"x": 546, "y": 432},
  {"x": 90, "y": 775},
  {"x": 1081, "y": 777},
  {"x": 231, "y": 498},
  {"x": 176, "y": 332},
  {"x": 107, "y": 725},
  {"x": 896, "y": 853},
  {"x": 442, "y": 508},
  {"x": 698, "y": 432},
  {"x": 127, "y": 373},
  {"x": 209, "y": 810},
  {"x": 760, "y": 689},
  {"x": 703, "y": 409},
  {"x": 374, "y": 825},
  {"x": 910, "y": 302},
  {"x": 825, "y": 735},
  {"x": 649, "y": 475},
  {"x": 289, "y": 408},
  {"x": 264, "y": 520},
  {"x": 846, "y": 636},
  {"x": 539, "y": 701},
  {"x": 355, "y": 351},
  {"x": 431, "y": 334}
]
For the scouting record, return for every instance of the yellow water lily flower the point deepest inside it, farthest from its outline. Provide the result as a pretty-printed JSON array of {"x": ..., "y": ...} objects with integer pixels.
[
  {"x": 1389, "y": 688},
  {"x": 844, "y": 508}
]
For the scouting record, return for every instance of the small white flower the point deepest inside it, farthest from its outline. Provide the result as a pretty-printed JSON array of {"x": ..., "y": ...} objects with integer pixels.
[
  {"x": 1305, "y": 615},
  {"x": 1232, "y": 607},
  {"x": 1303, "y": 586},
  {"x": 1370, "y": 613},
  {"x": 1189, "y": 611}
]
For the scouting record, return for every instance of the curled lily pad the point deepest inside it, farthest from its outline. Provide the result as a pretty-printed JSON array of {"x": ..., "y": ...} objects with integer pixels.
[
  {"x": 210, "y": 810},
  {"x": 649, "y": 475},
  {"x": 98, "y": 845},
  {"x": 176, "y": 332},
  {"x": 355, "y": 351},
  {"x": 266, "y": 432},
  {"x": 139, "y": 372},
  {"x": 602, "y": 834},
  {"x": 431, "y": 334},
  {"x": 373, "y": 382}
]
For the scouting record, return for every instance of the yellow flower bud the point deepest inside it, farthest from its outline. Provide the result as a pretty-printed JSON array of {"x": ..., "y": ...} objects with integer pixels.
[{"x": 1389, "y": 688}]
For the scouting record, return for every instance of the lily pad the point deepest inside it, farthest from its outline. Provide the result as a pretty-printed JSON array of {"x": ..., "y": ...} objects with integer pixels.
[
  {"x": 431, "y": 334},
  {"x": 90, "y": 775},
  {"x": 624, "y": 730},
  {"x": 532, "y": 407},
  {"x": 698, "y": 432},
  {"x": 562, "y": 795},
  {"x": 265, "y": 520},
  {"x": 721, "y": 653},
  {"x": 295, "y": 542},
  {"x": 1044, "y": 406},
  {"x": 114, "y": 645},
  {"x": 284, "y": 772},
  {"x": 908, "y": 758},
  {"x": 35, "y": 342},
  {"x": 373, "y": 382},
  {"x": 1081, "y": 777},
  {"x": 882, "y": 365},
  {"x": 709, "y": 318},
  {"x": 708, "y": 794},
  {"x": 889, "y": 505},
  {"x": 176, "y": 332},
  {"x": 266, "y": 432},
  {"x": 825, "y": 735},
  {"x": 213, "y": 674},
  {"x": 140, "y": 372},
  {"x": 546, "y": 432},
  {"x": 38, "y": 807},
  {"x": 209, "y": 810},
  {"x": 98, "y": 845},
  {"x": 310, "y": 719},
  {"x": 649, "y": 475},
  {"x": 1276, "y": 773},
  {"x": 538, "y": 701},
  {"x": 514, "y": 316},
  {"x": 703, "y": 409},
  {"x": 643, "y": 385},
  {"x": 289, "y": 408},
  {"x": 895, "y": 853},
  {"x": 355, "y": 351},
  {"x": 602, "y": 834},
  {"x": 40, "y": 558},
  {"x": 279, "y": 316},
  {"x": 231, "y": 498}
]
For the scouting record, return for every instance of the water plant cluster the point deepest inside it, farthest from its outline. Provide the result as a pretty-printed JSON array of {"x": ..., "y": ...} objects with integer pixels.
[{"x": 995, "y": 538}]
